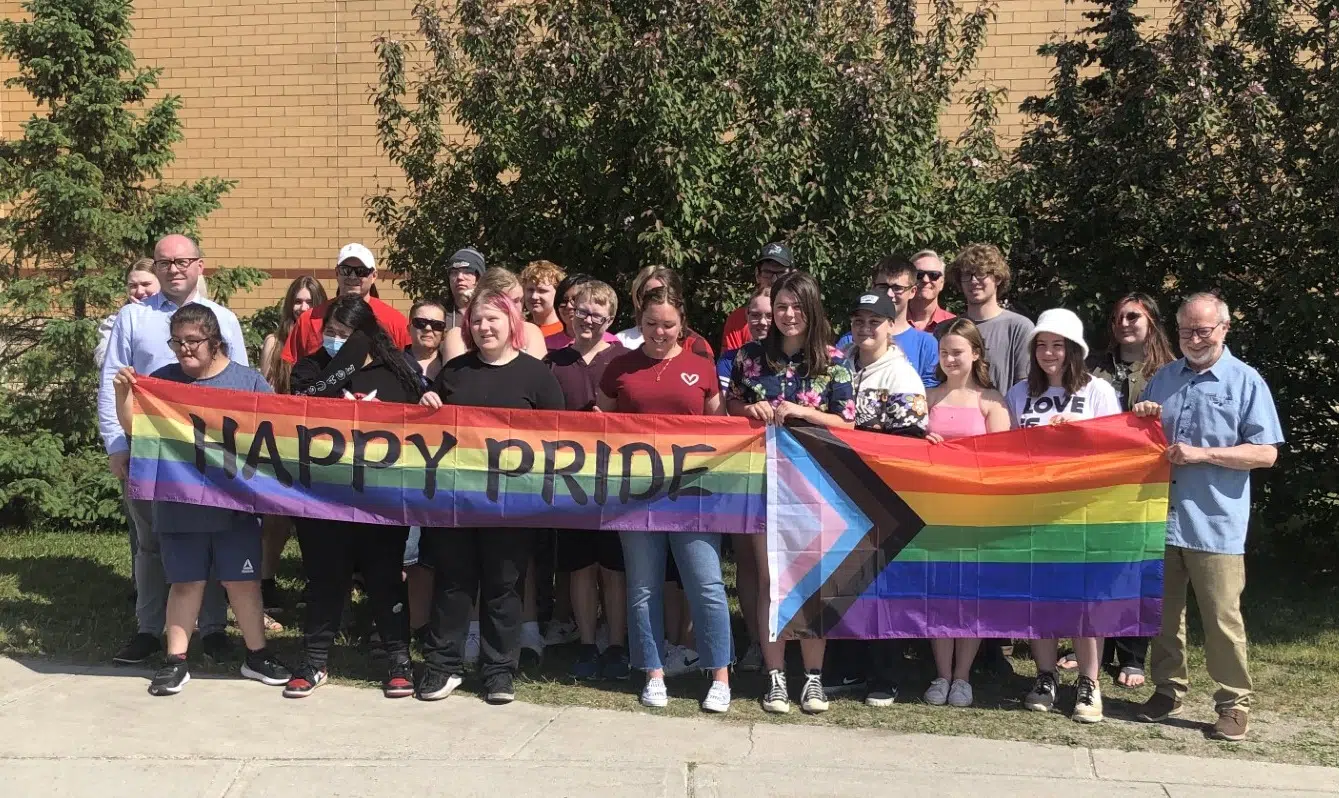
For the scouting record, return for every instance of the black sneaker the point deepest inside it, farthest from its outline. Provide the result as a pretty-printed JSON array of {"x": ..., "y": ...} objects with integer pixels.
[
  {"x": 587, "y": 665},
  {"x": 270, "y": 597},
  {"x": 171, "y": 677},
  {"x": 614, "y": 663},
  {"x": 217, "y": 647},
  {"x": 500, "y": 690},
  {"x": 262, "y": 667},
  {"x": 882, "y": 693},
  {"x": 399, "y": 681},
  {"x": 1042, "y": 696},
  {"x": 140, "y": 648},
  {"x": 435, "y": 685},
  {"x": 843, "y": 685},
  {"x": 304, "y": 680}
]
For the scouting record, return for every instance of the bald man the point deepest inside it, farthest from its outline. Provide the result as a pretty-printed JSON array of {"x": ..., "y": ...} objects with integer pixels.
[{"x": 139, "y": 340}]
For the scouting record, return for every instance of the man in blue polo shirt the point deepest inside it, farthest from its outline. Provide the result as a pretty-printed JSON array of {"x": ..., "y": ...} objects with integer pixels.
[{"x": 1220, "y": 420}]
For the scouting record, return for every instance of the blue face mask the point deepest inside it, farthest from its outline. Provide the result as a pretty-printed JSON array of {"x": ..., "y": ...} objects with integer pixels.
[{"x": 332, "y": 344}]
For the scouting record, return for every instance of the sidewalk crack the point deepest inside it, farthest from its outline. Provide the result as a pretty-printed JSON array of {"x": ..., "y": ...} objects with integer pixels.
[{"x": 536, "y": 733}]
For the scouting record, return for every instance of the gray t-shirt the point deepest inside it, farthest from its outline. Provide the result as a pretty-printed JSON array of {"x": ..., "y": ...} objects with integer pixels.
[
  {"x": 1007, "y": 337},
  {"x": 233, "y": 377}
]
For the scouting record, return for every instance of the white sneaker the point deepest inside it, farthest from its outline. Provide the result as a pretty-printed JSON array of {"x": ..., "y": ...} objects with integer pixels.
[
  {"x": 472, "y": 644},
  {"x": 960, "y": 694},
  {"x": 655, "y": 695},
  {"x": 561, "y": 632},
  {"x": 680, "y": 660},
  {"x": 937, "y": 693},
  {"x": 718, "y": 698},
  {"x": 1088, "y": 706},
  {"x": 532, "y": 639},
  {"x": 751, "y": 662},
  {"x": 812, "y": 697}
]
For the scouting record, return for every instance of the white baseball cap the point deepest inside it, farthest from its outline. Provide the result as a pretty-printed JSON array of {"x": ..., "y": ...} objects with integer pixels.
[
  {"x": 359, "y": 253},
  {"x": 1064, "y": 323}
]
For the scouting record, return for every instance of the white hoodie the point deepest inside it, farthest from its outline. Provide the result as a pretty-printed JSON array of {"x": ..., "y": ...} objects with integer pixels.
[{"x": 889, "y": 394}]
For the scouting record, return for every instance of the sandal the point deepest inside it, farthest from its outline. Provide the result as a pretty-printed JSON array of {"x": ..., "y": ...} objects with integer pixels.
[
  {"x": 271, "y": 625},
  {"x": 1129, "y": 671},
  {"x": 1067, "y": 662}
]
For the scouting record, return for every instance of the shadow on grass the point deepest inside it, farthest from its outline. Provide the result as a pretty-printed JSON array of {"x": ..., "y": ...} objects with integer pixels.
[{"x": 63, "y": 605}]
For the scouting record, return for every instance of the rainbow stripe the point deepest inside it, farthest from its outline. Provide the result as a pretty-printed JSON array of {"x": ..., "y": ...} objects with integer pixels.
[
  {"x": 1045, "y": 532},
  {"x": 699, "y": 474}
]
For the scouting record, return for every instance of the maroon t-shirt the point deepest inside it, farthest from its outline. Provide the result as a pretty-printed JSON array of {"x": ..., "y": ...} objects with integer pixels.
[
  {"x": 678, "y": 386},
  {"x": 579, "y": 379}
]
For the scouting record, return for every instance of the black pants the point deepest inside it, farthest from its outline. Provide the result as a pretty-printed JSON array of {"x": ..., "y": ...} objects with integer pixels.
[
  {"x": 1126, "y": 652},
  {"x": 489, "y": 563},
  {"x": 331, "y": 551}
]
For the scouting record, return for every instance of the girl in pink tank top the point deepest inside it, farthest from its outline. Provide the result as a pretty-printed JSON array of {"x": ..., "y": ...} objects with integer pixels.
[{"x": 962, "y": 405}]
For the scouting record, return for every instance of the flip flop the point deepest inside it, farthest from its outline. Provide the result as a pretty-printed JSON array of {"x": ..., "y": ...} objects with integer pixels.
[
  {"x": 1068, "y": 662},
  {"x": 1127, "y": 672},
  {"x": 271, "y": 625}
]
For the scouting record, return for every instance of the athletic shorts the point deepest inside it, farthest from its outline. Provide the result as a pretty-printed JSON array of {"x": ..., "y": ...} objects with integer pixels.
[
  {"x": 579, "y": 549},
  {"x": 217, "y": 544}
]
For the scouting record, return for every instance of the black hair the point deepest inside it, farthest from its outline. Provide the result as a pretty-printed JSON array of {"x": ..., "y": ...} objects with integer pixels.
[
  {"x": 353, "y": 312},
  {"x": 205, "y": 319}
]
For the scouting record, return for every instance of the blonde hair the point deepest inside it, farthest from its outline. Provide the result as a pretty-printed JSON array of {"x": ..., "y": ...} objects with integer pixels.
[
  {"x": 599, "y": 293},
  {"x": 498, "y": 278}
]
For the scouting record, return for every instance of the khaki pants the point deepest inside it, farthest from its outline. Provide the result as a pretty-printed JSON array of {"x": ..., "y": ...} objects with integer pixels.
[{"x": 1217, "y": 580}]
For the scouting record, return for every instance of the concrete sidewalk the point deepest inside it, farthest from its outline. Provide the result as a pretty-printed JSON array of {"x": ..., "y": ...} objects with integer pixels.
[{"x": 74, "y": 732}]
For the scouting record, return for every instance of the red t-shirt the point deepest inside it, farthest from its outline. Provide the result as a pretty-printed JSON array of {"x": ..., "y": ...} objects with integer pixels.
[
  {"x": 306, "y": 336},
  {"x": 736, "y": 332},
  {"x": 679, "y": 386},
  {"x": 551, "y": 329}
]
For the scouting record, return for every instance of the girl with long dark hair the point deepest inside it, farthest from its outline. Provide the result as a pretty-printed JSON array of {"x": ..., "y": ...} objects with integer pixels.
[{"x": 358, "y": 361}]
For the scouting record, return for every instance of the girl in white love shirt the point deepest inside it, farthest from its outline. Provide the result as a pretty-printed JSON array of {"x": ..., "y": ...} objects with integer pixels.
[{"x": 1060, "y": 390}]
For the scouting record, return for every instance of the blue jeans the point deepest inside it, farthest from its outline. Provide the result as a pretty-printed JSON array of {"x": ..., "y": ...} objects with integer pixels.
[{"x": 698, "y": 556}]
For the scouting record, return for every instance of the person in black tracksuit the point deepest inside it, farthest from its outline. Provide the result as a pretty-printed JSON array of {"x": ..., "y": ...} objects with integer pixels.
[
  {"x": 489, "y": 562},
  {"x": 357, "y": 361}
]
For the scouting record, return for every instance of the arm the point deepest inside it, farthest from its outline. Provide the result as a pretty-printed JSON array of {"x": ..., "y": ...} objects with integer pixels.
[
  {"x": 297, "y": 339},
  {"x": 714, "y": 406},
  {"x": 104, "y": 337},
  {"x": 787, "y": 410},
  {"x": 267, "y": 354},
  {"x": 232, "y": 334},
  {"x": 997, "y": 415},
  {"x": 453, "y": 345},
  {"x": 118, "y": 357},
  {"x": 125, "y": 403},
  {"x": 929, "y": 362},
  {"x": 606, "y": 403},
  {"x": 310, "y": 379}
]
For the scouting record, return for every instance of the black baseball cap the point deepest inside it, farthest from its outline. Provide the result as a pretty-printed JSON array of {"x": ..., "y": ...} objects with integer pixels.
[
  {"x": 876, "y": 302},
  {"x": 467, "y": 258},
  {"x": 777, "y": 251}
]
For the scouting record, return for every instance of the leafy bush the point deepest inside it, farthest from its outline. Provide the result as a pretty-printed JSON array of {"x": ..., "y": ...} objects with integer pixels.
[
  {"x": 607, "y": 136},
  {"x": 1206, "y": 157}
]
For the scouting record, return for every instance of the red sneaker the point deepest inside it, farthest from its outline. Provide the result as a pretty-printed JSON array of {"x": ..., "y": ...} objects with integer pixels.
[
  {"x": 304, "y": 681},
  {"x": 399, "y": 681}
]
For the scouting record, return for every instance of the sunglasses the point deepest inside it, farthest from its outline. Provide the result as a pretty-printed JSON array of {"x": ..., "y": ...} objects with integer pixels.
[
  {"x": 436, "y": 325},
  {"x": 352, "y": 270},
  {"x": 933, "y": 277},
  {"x": 1131, "y": 316}
]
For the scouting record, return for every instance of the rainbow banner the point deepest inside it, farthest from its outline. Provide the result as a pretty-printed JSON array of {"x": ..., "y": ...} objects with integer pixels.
[
  {"x": 1042, "y": 532},
  {"x": 382, "y": 463}
]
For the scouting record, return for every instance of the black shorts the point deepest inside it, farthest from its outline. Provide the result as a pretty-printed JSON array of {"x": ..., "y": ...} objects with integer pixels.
[{"x": 577, "y": 549}]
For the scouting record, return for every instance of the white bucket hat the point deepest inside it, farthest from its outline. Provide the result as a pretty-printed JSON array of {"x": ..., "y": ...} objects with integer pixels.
[{"x": 1064, "y": 323}]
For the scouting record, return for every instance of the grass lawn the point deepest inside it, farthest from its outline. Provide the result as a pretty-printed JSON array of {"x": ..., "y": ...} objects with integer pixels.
[{"x": 65, "y": 596}]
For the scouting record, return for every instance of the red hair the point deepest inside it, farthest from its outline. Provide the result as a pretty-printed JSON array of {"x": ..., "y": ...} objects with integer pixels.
[{"x": 496, "y": 299}]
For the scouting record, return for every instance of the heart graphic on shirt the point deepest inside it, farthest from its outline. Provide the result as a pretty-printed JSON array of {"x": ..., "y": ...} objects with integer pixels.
[{"x": 689, "y": 379}]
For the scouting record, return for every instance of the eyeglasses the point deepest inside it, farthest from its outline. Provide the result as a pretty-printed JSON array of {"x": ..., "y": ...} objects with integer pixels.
[
  {"x": 933, "y": 277},
  {"x": 760, "y": 318},
  {"x": 420, "y": 323},
  {"x": 186, "y": 344},
  {"x": 180, "y": 264},
  {"x": 352, "y": 270},
  {"x": 975, "y": 278},
  {"x": 1130, "y": 317},
  {"x": 593, "y": 318},
  {"x": 1190, "y": 333},
  {"x": 899, "y": 289}
]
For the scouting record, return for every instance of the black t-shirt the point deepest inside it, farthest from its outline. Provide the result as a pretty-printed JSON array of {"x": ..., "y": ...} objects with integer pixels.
[{"x": 524, "y": 383}]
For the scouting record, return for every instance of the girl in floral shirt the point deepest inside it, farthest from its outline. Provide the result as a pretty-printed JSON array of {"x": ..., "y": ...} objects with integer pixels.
[{"x": 794, "y": 373}]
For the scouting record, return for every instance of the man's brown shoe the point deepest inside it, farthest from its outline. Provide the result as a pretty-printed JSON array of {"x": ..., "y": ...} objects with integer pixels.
[
  {"x": 1159, "y": 707},
  {"x": 1231, "y": 726}
]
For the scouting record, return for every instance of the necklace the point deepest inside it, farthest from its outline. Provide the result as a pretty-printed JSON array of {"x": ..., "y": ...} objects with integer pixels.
[{"x": 664, "y": 364}]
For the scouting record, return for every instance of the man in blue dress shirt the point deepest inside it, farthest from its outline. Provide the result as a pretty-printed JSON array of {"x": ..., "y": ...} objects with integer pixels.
[
  {"x": 139, "y": 340},
  {"x": 1220, "y": 422}
]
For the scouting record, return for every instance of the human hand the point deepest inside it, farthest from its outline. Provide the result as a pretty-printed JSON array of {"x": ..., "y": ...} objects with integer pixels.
[
  {"x": 1064, "y": 418},
  {"x": 759, "y": 411},
  {"x": 934, "y": 437},
  {"x": 1185, "y": 454},
  {"x": 124, "y": 379},
  {"x": 789, "y": 411},
  {"x": 1146, "y": 409},
  {"x": 431, "y": 399},
  {"x": 120, "y": 465}
]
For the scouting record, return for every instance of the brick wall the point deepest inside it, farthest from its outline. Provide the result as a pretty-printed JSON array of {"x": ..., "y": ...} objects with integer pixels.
[{"x": 275, "y": 96}]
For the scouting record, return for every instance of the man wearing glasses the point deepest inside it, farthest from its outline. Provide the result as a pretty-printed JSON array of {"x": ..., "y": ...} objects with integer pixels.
[
  {"x": 139, "y": 339},
  {"x": 896, "y": 277},
  {"x": 982, "y": 274},
  {"x": 355, "y": 273},
  {"x": 1219, "y": 417},
  {"x": 923, "y": 311},
  {"x": 773, "y": 261}
]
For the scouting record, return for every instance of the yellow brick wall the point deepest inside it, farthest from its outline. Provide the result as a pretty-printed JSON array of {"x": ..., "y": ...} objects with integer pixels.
[{"x": 275, "y": 97}]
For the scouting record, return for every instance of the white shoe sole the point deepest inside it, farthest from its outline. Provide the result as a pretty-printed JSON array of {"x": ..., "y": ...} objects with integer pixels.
[
  {"x": 1038, "y": 706},
  {"x": 262, "y": 678},
  {"x": 719, "y": 709},
  {"x": 161, "y": 691},
  {"x": 452, "y": 682},
  {"x": 776, "y": 707},
  {"x": 871, "y": 701},
  {"x": 1077, "y": 718},
  {"x": 654, "y": 703},
  {"x": 814, "y": 708}
]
